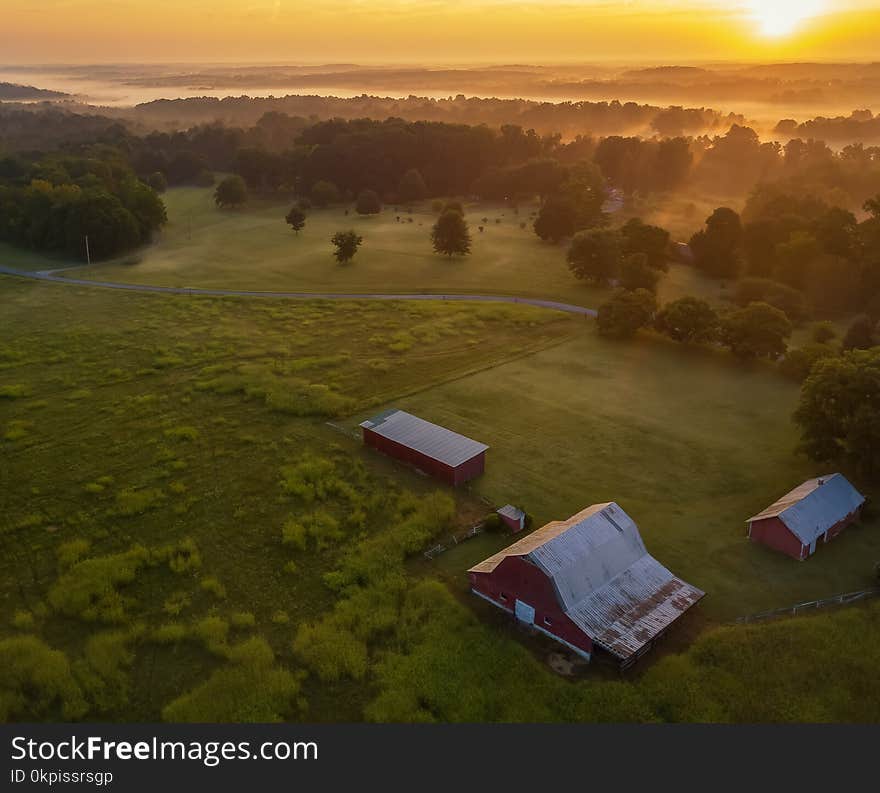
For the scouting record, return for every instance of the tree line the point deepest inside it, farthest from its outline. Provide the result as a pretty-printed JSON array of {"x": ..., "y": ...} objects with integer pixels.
[{"x": 53, "y": 202}]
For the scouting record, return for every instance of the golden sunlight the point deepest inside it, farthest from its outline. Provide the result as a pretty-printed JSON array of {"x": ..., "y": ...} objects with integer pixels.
[{"x": 777, "y": 18}]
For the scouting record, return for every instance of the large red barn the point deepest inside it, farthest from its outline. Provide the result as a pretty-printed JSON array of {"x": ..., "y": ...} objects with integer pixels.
[
  {"x": 815, "y": 511},
  {"x": 445, "y": 454},
  {"x": 587, "y": 582}
]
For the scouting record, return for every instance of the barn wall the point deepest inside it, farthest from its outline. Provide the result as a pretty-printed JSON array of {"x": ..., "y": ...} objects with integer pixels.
[
  {"x": 427, "y": 464},
  {"x": 518, "y": 579},
  {"x": 452, "y": 476},
  {"x": 470, "y": 469},
  {"x": 773, "y": 533}
]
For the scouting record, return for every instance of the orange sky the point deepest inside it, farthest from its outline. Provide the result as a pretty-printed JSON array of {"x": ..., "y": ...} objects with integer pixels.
[{"x": 57, "y": 31}]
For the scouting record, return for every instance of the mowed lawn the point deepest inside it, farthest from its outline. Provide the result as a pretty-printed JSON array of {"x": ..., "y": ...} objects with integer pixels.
[
  {"x": 688, "y": 442},
  {"x": 253, "y": 248}
]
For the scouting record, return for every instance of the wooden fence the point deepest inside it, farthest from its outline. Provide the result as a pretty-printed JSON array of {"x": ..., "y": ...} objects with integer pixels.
[
  {"x": 811, "y": 605},
  {"x": 454, "y": 540}
]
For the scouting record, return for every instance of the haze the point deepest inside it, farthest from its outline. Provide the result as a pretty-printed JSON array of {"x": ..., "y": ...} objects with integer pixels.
[{"x": 452, "y": 31}]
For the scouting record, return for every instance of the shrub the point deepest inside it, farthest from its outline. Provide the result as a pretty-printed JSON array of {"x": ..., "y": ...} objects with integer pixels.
[
  {"x": 23, "y": 620},
  {"x": 242, "y": 619},
  {"x": 330, "y": 652},
  {"x": 169, "y": 633},
  {"x": 89, "y": 589},
  {"x": 69, "y": 553},
  {"x": 213, "y": 631},
  {"x": 103, "y": 671},
  {"x": 184, "y": 557},
  {"x": 240, "y": 692},
  {"x": 136, "y": 502},
  {"x": 36, "y": 682},
  {"x": 213, "y": 586}
]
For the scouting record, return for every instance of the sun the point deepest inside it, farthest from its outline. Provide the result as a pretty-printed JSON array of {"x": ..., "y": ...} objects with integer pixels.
[{"x": 777, "y": 18}]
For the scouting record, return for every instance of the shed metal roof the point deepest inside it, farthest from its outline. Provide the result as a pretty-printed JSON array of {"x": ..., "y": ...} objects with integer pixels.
[
  {"x": 815, "y": 506},
  {"x": 606, "y": 581},
  {"x": 424, "y": 437}
]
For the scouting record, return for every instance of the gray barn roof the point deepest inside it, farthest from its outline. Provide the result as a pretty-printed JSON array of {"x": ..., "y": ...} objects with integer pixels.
[
  {"x": 815, "y": 506},
  {"x": 606, "y": 581},
  {"x": 429, "y": 439}
]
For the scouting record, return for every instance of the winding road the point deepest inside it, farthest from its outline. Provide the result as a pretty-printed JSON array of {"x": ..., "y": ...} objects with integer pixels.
[{"x": 51, "y": 275}]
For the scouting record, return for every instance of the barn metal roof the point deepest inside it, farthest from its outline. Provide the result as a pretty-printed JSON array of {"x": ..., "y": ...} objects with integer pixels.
[
  {"x": 815, "y": 506},
  {"x": 429, "y": 439},
  {"x": 606, "y": 581}
]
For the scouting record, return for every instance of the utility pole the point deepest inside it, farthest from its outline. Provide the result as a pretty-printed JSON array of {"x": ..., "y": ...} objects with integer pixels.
[{"x": 88, "y": 257}]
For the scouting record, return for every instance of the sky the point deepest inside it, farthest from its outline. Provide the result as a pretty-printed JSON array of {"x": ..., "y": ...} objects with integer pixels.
[{"x": 437, "y": 31}]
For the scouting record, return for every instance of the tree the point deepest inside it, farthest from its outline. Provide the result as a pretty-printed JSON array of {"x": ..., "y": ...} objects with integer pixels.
[
  {"x": 625, "y": 312},
  {"x": 296, "y": 219},
  {"x": 556, "y": 219},
  {"x": 231, "y": 192},
  {"x": 861, "y": 334},
  {"x": 368, "y": 203},
  {"x": 837, "y": 412},
  {"x": 412, "y": 187},
  {"x": 758, "y": 330},
  {"x": 872, "y": 206},
  {"x": 158, "y": 182},
  {"x": 595, "y": 255},
  {"x": 823, "y": 332},
  {"x": 636, "y": 274},
  {"x": 716, "y": 249},
  {"x": 347, "y": 244},
  {"x": 453, "y": 206},
  {"x": 450, "y": 234},
  {"x": 689, "y": 320},
  {"x": 652, "y": 241},
  {"x": 324, "y": 193},
  {"x": 797, "y": 364},
  {"x": 764, "y": 290}
]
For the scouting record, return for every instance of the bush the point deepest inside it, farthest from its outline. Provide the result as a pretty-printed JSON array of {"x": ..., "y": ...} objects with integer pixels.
[
  {"x": 136, "y": 502},
  {"x": 213, "y": 586},
  {"x": 89, "y": 589},
  {"x": 252, "y": 691},
  {"x": 242, "y": 619},
  {"x": 36, "y": 682},
  {"x": 324, "y": 193},
  {"x": 330, "y": 652},
  {"x": 69, "y": 553},
  {"x": 493, "y": 522},
  {"x": 824, "y": 332}
]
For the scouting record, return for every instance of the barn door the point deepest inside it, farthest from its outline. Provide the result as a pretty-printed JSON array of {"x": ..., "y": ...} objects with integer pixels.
[{"x": 524, "y": 612}]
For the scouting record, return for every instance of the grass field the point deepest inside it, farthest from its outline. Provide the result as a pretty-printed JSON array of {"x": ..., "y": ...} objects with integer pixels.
[
  {"x": 253, "y": 248},
  {"x": 185, "y": 537}
]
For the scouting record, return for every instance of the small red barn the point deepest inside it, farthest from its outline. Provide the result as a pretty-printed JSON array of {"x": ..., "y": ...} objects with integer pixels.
[
  {"x": 512, "y": 517},
  {"x": 587, "y": 582},
  {"x": 814, "y": 512},
  {"x": 445, "y": 454}
]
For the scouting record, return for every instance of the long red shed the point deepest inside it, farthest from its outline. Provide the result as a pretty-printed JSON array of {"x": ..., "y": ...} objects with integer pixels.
[
  {"x": 445, "y": 454},
  {"x": 815, "y": 511},
  {"x": 587, "y": 582}
]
